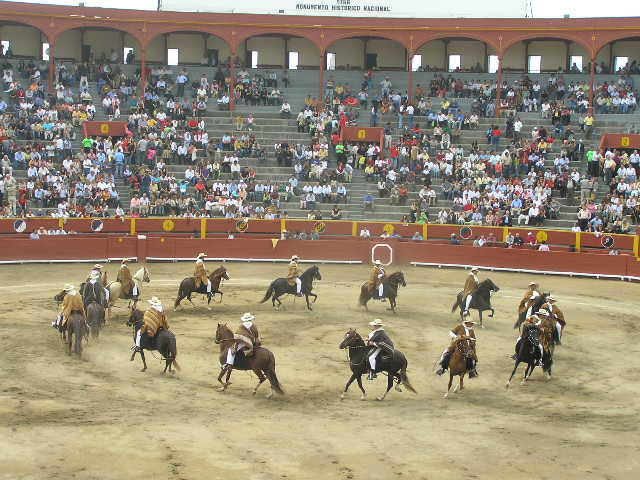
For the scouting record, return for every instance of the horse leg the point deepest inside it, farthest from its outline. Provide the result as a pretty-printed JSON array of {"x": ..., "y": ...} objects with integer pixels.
[
  {"x": 315, "y": 297},
  {"x": 462, "y": 382},
  {"x": 208, "y": 301},
  {"x": 446, "y": 395},
  {"x": 191, "y": 301},
  {"x": 261, "y": 378},
  {"x": 144, "y": 361},
  {"x": 492, "y": 312},
  {"x": 349, "y": 382},
  {"x": 512, "y": 373},
  {"x": 389, "y": 385},
  {"x": 392, "y": 304},
  {"x": 527, "y": 372},
  {"x": 306, "y": 295},
  {"x": 364, "y": 394},
  {"x": 480, "y": 318}
]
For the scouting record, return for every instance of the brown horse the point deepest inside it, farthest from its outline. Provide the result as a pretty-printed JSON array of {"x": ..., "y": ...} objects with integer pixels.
[
  {"x": 77, "y": 326},
  {"x": 188, "y": 286},
  {"x": 463, "y": 352},
  {"x": 389, "y": 290},
  {"x": 262, "y": 362}
]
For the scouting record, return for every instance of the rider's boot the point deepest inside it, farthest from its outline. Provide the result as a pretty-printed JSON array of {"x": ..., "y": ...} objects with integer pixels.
[{"x": 372, "y": 375}]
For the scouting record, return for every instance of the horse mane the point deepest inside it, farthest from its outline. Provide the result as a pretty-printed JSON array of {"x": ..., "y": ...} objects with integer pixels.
[
  {"x": 225, "y": 328},
  {"x": 396, "y": 275},
  {"x": 140, "y": 273},
  {"x": 357, "y": 335},
  {"x": 218, "y": 271}
]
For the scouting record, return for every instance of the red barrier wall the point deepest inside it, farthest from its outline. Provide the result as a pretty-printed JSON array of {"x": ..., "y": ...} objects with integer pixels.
[{"x": 110, "y": 247}]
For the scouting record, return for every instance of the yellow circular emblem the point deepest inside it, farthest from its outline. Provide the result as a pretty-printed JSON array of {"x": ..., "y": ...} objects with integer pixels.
[
  {"x": 168, "y": 225},
  {"x": 389, "y": 229},
  {"x": 542, "y": 236},
  {"x": 319, "y": 227}
]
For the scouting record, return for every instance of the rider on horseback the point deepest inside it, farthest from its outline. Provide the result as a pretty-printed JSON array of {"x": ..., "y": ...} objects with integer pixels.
[
  {"x": 129, "y": 288},
  {"x": 556, "y": 315},
  {"x": 154, "y": 320},
  {"x": 466, "y": 329},
  {"x": 532, "y": 320},
  {"x": 97, "y": 275},
  {"x": 376, "y": 288},
  {"x": 293, "y": 275},
  {"x": 94, "y": 291},
  {"x": 71, "y": 303},
  {"x": 526, "y": 304},
  {"x": 379, "y": 339},
  {"x": 246, "y": 338},
  {"x": 201, "y": 275},
  {"x": 470, "y": 287}
]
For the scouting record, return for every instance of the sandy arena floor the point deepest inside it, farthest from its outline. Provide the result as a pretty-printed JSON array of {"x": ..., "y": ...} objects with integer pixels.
[{"x": 101, "y": 418}]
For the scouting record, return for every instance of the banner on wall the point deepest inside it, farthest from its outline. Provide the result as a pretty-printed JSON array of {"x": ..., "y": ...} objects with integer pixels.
[
  {"x": 356, "y": 8},
  {"x": 620, "y": 140},
  {"x": 105, "y": 129}
]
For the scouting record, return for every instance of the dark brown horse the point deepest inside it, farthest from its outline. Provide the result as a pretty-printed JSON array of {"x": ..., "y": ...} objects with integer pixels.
[
  {"x": 395, "y": 365},
  {"x": 481, "y": 300},
  {"x": 164, "y": 342},
  {"x": 188, "y": 287},
  {"x": 389, "y": 290},
  {"x": 262, "y": 362},
  {"x": 76, "y": 326},
  {"x": 280, "y": 286},
  {"x": 460, "y": 362}
]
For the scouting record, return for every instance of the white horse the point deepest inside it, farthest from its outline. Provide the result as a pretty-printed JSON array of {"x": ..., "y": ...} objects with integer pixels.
[{"x": 115, "y": 289}]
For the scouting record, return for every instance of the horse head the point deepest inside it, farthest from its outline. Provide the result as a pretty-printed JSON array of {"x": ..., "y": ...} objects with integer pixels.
[
  {"x": 351, "y": 339},
  {"x": 135, "y": 315},
  {"x": 397, "y": 278},
  {"x": 222, "y": 333},
  {"x": 489, "y": 285},
  {"x": 314, "y": 272},
  {"x": 146, "y": 278},
  {"x": 531, "y": 332},
  {"x": 220, "y": 272},
  {"x": 465, "y": 345},
  {"x": 60, "y": 296}
]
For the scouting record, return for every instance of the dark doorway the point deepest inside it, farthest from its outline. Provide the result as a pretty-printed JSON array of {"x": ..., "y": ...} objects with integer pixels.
[
  {"x": 212, "y": 57},
  {"x": 86, "y": 53},
  {"x": 372, "y": 61}
]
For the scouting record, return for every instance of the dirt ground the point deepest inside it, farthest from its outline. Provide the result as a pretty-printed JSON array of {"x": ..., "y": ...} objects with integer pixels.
[{"x": 101, "y": 418}]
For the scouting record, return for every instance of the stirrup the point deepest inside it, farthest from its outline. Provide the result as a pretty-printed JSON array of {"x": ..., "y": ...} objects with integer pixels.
[{"x": 440, "y": 371}]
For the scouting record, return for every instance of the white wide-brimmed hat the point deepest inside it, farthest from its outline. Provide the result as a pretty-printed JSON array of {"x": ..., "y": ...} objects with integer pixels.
[
  {"x": 294, "y": 257},
  {"x": 551, "y": 298},
  {"x": 533, "y": 283},
  {"x": 68, "y": 287},
  {"x": 475, "y": 269},
  {"x": 469, "y": 321},
  {"x": 155, "y": 301},
  {"x": 376, "y": 323},
  {"x": 377, "y": 262},
  {"x": 202, "y": 255},
  {"x": 247, "y": 317},
  {"x": 97, "y": 266},
  {"x": 543, "y": 312},
  {"x": 126, "y": 260}
]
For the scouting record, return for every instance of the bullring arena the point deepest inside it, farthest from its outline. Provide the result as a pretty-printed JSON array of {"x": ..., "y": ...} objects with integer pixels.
[{"x": 358, "y": 148}]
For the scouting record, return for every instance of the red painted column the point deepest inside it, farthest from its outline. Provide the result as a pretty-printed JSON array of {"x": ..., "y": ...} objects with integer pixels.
[
  {"x": 410, "y": 79},
  {"x": 499, "y": 89},
  {"x": 52, "y": 69},
  {"x": 323, "y": 59},
  {"x": 232, "y": 80},
  {"x": 143, "y": 68},
  {"x": 592, "y": 81}
]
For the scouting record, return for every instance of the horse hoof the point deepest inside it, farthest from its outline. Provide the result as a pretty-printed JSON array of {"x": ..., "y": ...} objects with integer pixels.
[
  {"x": 363, "y": 398},
  {"x": 523, "y": 382},
  {"x": 221, "y": 389},
  {"x": 507, "y": 386},
  {"x": 342, "y": 396},
  {"x": 380, "y": 399},
  {"x": 446, "y": 395},
  {"x": 269, "y": 395},
  {"x": 144, "y": 370}
]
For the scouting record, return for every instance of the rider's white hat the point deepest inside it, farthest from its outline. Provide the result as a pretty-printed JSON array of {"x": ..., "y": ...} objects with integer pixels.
[
  {"x": 532, "y": 284},
  {"x": 68, "y": 287},
  {"x": 247, "y": 317},
  {"x": 551, "y": 298},
  {"x": 202, "y": 255},
  {"x": 376, "y": 323},
  {"x": 377, "y": 262},
  {"x": 97, "y": 266},
  {"x": 294, "y": 257},
  {"x": 543, "y": 312},
  {"x": 155, "y": 301},
  {"x": 475, "y": 269},
  {"x": 126, "y": 260},
  {"x": 468, "y": 320}
]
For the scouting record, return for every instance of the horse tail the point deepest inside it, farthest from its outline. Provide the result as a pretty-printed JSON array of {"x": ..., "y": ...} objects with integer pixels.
[
  {"x": 269, "y": 293},
  {"x": 405, "y": 380},
  {"x": 273, "y": 380},
  {"x": 77, "y": 328},
  {"x": 456, "y": 305},
  {"x": 362, "y": 300}
]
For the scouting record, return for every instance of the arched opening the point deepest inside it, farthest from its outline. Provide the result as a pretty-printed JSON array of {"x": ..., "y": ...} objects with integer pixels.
[
  {"x": 619, "y": 56},
  {"x": 366, "y": 53},
  {"x": 279, "y": 51},
  {"x": 23, "y": 41},
  {"x": 188, "y": 48},
  {"x": 453, "y": 54},
  {"x": 97, "y": 45},
  {"x": 540, "y": 55}
]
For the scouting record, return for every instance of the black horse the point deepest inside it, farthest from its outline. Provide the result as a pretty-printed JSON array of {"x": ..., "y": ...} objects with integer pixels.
[
  {"x": 188, "y": 287},
  {"x": 394, "y": 364},
  {"x": 481, "y": 299},
  {"x": 535, "y": 307},
  {"x": 95, "y": 302},
  {"x": 390, "y": 286},
  {"x": 280, "y": 286},
  {"x": 527, "y": 351},
  {"x": 164, "y": 342}
]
